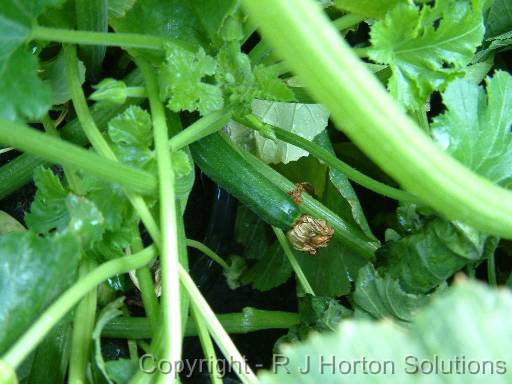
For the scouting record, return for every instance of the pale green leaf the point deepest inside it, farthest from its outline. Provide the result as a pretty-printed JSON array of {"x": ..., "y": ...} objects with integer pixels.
[
  {"x": 466, "y": 323},
  {"x": 370, "y": 8},
  {"x": 306, "y": 120}
]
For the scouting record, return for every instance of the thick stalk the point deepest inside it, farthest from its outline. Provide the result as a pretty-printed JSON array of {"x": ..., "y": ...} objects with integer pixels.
[
  {"x": 224, "y": 342},
  {"x": 170, "y": 299},
  {"x": 247, "y": 321},
  {"x": 83, "y": 325},
  {"x": 58, "y": 151},
  {"x": 293, "y": 261},
  {"x": 125, "y": 40},
  {"x": 360, "y": 106}
]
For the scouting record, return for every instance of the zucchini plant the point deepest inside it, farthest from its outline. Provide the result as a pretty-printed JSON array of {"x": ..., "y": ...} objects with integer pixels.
[{"x": 360, "y": 147}]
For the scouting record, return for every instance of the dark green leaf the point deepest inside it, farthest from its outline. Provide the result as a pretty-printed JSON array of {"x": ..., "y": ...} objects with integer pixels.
[
  {"x": 319, "y": 269},
  {"x": 424, "y": 259},
  {"x": 317, "y": 314},
  {"x": 26, "y": 96},
  {"x": 174, "y": 19},
  {"x": 48, "y": 210},
  {"x": 383, "y": 296},
  {"x": 499, "y": 18},
  {"x": 122, "y": 370},
  {"x": 253, "y": 233},
  {"x": 270, "y": 271},
  {"x": 33, "y": 272},
  {"x": 475, "y": 129},
  {"x": 53, "y": 73},
  {"x": 52, "y": 356},
  {"x": 23, "y": 96},
  {"x": 348, "y": 207},
  {"x": 213, "y": 14}
]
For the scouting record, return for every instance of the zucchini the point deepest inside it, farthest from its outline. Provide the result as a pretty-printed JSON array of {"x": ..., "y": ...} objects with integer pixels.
[
  {"x": 225, "y": 164},
  {"x": 265, "y": 191}
]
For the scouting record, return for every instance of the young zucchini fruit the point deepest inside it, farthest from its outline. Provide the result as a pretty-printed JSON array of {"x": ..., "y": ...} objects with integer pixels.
[{"x": 265, "y": 191}]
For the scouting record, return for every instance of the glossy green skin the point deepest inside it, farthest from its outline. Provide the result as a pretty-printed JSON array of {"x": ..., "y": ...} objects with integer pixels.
[{"x": 222, "y": 162}]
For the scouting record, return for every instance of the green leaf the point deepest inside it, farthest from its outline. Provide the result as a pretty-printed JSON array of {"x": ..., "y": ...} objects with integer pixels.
[
  {"x": 212, "y": 14},
  {"x": 48, "y": 210},
  {"x": 132, "y": 136},
  {"x": 86, "y": 220},
  {"x": 383, "y": 296},
  {"x": 349, "y": 206},
  {"x": 370, "y": 8},
  {"x": 110, "y": 312},
  {"x": 242, "y": 84},
  {"x": 21, "y": 97},
  {"x": 426, "y": 47},
  {"x": 317, "y": 314},
  {"x": 182, "y": 83},
  {"x": 55, "y": 209},
  {"x": 51, "y": 357},
  {"x": 424, "y": 259},
  {"x": 475, "y": 129},
  {"x": 174, "y": 19},
  {"x": 253, "y": 233},
  {"x": 270, "y": 271},
  {"x": 466, "y": 323},
  {"x": 499, "y": 18},
  {"x": 33, "y": 272},
  {"x": 122, "y": 370},
  {"x": 53, "y": 73},
  {"x": 319, "y": 268}
]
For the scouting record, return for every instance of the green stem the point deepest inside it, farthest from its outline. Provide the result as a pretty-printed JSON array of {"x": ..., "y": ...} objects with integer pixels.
[
  {"x": 83, "y": 326},
  {"x": 420, "y": 116},
  {"x": 80, "y": 104},
  {"x": 201, "y": 128},
  {"x": 348, "y": 21},
  {"x": 96, "y": 138},
  {"x": 147, "y": 287},
  {"x": 224, "y": 342},
  {"x": 247, "y": 321},
  {"x": 363, "y": 109},
  {"x": 136, "y": 92},
  {"x": 70, "y": 174},
  {"x": 491, "y": 270},
  {"x": 207, "y": 346},
  {"x": 51, "y": 316},
  {"x": 169, "y": 250},
  {"x": 60, "y": 152},
  {"x": 125, "y": 40},
  {"x": 208, "y": 252},
  {"x": 293, "y": 261},
  {"x": 335, "y": 163}
]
